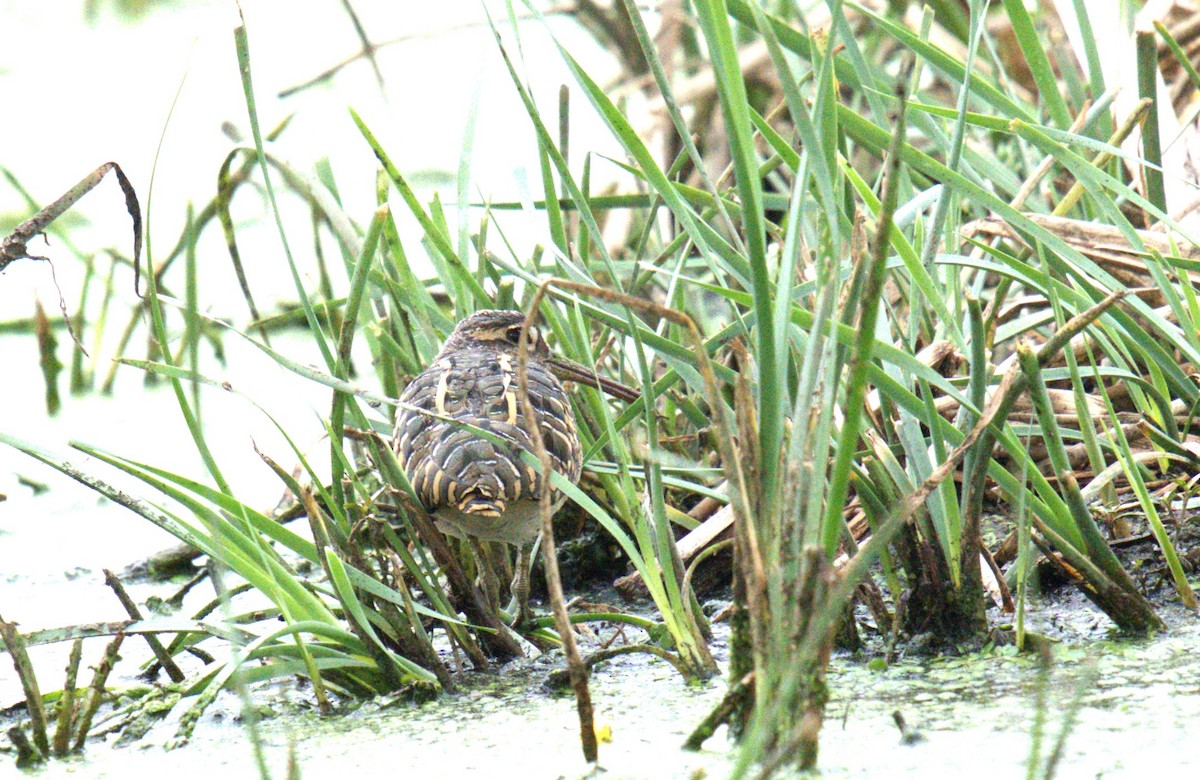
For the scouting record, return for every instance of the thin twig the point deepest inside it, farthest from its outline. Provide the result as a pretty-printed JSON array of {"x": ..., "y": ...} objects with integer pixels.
[
  {"x": 556, "y": 680},
  {"x": 27, "y": 752},
  {"x": 96, "y": 689},
  {"x": 575, "y": 667},
  {"x": 160, "y": 652},
  {"x": 720, "y": 714},
  {"x": 33, "y": 696},
  {"x": 66, "y": 704}
]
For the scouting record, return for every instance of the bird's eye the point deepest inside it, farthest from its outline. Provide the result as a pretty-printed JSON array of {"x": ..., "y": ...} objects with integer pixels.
[{"x": 514, "y": 335}]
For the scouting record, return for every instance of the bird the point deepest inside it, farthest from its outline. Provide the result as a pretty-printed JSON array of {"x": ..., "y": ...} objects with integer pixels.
[{"x": 476, "y": 487}]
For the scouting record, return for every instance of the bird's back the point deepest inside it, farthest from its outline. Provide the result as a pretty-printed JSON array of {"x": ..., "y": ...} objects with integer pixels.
[{"x": 476, "y": 484}]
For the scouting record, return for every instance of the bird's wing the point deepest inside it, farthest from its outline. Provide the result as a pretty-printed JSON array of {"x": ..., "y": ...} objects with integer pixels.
[{"x": 451, "y": 464}]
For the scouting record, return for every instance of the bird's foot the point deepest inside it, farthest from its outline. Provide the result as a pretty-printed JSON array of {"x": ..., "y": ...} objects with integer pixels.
[{"x": 522, "y": 616}]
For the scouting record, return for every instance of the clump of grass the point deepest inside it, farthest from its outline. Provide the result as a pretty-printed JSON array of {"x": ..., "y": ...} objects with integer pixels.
[{"x": 801, "y": 294}]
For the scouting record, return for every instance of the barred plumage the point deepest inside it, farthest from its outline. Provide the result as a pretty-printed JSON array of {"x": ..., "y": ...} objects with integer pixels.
[{"x": 474, "y": 485}]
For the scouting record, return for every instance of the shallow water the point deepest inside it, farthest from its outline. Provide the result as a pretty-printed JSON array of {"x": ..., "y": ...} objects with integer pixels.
[{"x": 974, "y": 715}]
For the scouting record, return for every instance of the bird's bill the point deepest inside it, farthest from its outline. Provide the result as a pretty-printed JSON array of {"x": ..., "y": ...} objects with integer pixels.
[{"x": 570, "y": 370}]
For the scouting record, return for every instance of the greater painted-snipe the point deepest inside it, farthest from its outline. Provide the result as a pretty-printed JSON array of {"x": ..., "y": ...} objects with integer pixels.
[{"x": 476, "y": 487}]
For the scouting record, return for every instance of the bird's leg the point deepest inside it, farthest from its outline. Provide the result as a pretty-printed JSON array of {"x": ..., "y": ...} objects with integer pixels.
[
  {"x": 487, "y": 574},
  {"x": 501, "y": 561},
  {"x": 520, "y": 585}
]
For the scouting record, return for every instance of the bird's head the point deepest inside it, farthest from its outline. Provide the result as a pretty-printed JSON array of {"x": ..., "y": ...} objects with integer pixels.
[{"x": 498, "y": 329}]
